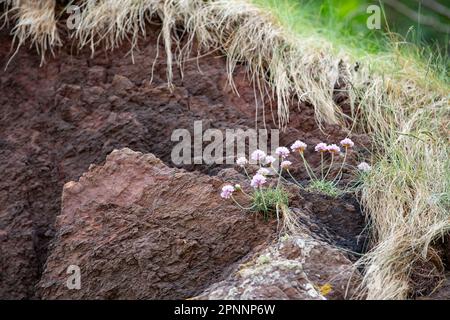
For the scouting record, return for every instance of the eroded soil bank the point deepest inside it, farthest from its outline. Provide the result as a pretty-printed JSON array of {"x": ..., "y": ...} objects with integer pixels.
[{"x": 59, "y": 119}]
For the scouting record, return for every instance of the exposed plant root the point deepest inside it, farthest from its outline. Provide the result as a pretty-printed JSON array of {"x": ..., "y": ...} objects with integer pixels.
[{"x": 35, "y": 23}]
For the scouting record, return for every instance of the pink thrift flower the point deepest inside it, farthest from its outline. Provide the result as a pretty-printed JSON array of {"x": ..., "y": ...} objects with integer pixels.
[
  {"x": 258, "y": 181},
  {"x": 298, "y": 146},
  {"x": 263, "y": 171},
  {"x": 269, "y": 160},
  {"x": 227, "y": 191},
  {"x": 334, "y": 149},
  {"x": 285, "y": 164},
  {"x": 258, "y": 155},
  {"x": 364, "y": 167},
  {"x": 347, "y": 143},
  {"x": 321, "y": 147},
  {"x": 283, "y": 152},
  {"x": 242, "y": 161}
]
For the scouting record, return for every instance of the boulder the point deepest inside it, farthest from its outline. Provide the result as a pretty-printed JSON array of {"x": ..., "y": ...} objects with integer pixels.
[
  {"x": 297, "y": 267},
  {"x": 138, "y": 229}
]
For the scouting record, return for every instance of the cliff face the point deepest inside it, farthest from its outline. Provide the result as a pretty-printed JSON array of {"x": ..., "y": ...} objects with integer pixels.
[
  {"x": 72, "y": 112},
  {"x": 60, "y": 118}
]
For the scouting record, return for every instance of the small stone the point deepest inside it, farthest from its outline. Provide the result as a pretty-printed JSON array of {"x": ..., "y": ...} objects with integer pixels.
[{"x": 121, "y": 83}]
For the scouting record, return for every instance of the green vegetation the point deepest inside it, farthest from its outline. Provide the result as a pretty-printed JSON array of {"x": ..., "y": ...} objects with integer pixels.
[
  {"x": 269, "y": 201},
  {"x": 325, "y": 187},
  {"x": 344, "y": 23}
]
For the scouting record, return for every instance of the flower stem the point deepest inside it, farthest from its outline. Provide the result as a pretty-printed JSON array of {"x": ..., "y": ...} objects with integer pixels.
[
  {"x": 278, "y": 215},
  {"x": 329, "y": 168},
  {"x": 309, "y": 170},
  {"x": 245, "y": 193},
  {"x": 338, "y": 176},
  {"x": 321, "y": 164},
  {"x": 264, "y": 200},
  {"x": 296, "y": 182},
  {"x": 279, "y": 176},
  {"x": 246, "y": 173},
  {"x": 237, "y": 203}
]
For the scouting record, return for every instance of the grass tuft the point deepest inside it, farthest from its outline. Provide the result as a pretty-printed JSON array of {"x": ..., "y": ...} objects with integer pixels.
[
  {"x": 269, "y": 201},
  {"x": 35, "y": 22},
  {"x": 325, "y": 187}
]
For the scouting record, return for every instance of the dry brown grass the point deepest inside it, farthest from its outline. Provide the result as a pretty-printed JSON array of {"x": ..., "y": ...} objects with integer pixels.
[
  {"x": 299, "y": 68},
  {"x": 34, "y": 23},
  {"x": 400, "y": 104},
  {"x": 406, "y": 195}
]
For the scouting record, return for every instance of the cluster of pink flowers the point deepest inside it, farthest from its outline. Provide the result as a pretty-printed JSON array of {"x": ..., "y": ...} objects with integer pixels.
[
  {"x": 227, "y": 191},
  {"x": 282, "y": 152},
  {"x": 299, "y": 146},
  {"x": 258, "y": 181},
  {"x": 260, "y": 178},
  {"x": 264, "y": 171},
  {"x": 258, "y": 155},
  {"x": 285, "y": 164},
  {"x": 269, "y": 160},
  {"x": 347, "y": 143},
  {"x": 321, "y": 147},
  {"x": 333, "y": 148},
  {"x": 242, "y": 161}
]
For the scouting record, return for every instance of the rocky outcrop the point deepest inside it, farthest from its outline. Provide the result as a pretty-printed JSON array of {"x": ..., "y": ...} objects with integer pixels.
[
  {"x": 297, "y": 267},
  {"x": 138, "y": 229},
  {"x": 60, "y": 118},
  {"x": 141, "y": 230}
]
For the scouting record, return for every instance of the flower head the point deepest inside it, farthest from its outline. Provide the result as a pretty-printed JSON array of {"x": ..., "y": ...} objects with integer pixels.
[
  {"x": 237, "y": 187},
  {"x": 242, "y": 161},
  {"x": 298, "y": 146},
  {"x": 258, "y": 181},
  {"x": 227, "y": 191},
  {"x": 269, "y": 160},
  {"x": 263, "y": 171},
  {"x": 258, "y": 155},
  {"x": 347, "y": 143},
  {"x": 334, "y": 149},
  {"x": 321, "y": 147},
  {"x": 283, "y": 152},
  {"x": 285, "y": 164},
  {"x": 364, "y": 167}
]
